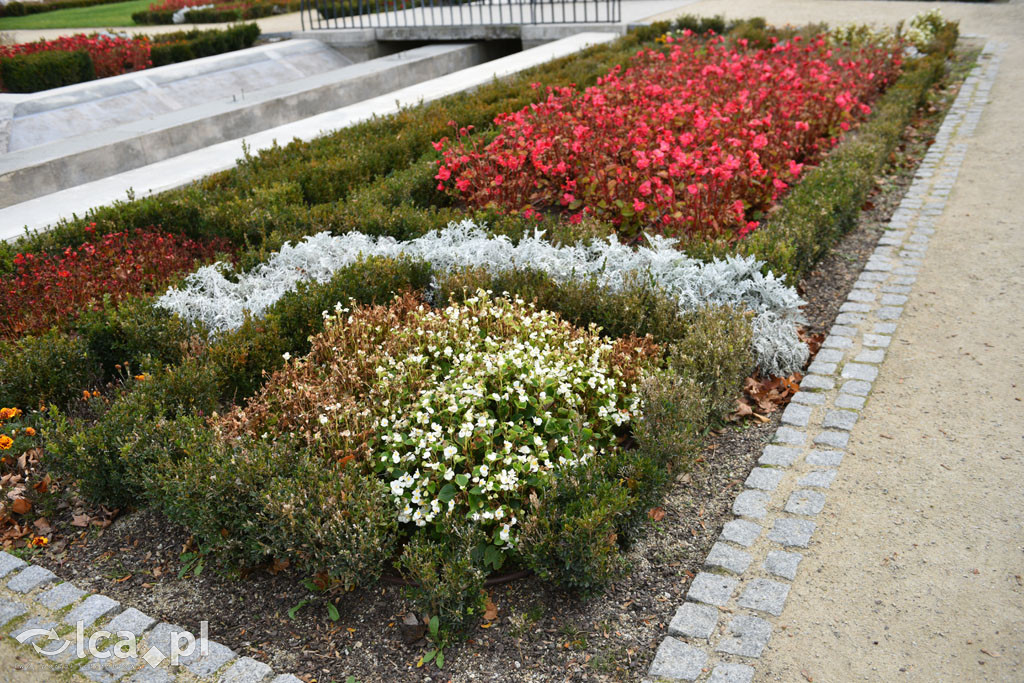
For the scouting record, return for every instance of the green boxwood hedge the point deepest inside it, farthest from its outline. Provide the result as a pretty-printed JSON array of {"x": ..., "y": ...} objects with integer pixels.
[
  {"x": 45, "y": 70},
  {"x": 187, "y": 45}
]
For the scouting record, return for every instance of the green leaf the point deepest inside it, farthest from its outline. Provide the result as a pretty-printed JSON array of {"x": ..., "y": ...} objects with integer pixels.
[
  {"x": 462, "y": 480},
  {"x": 294, "y": 610},
  {"x": 440, "y": 660},
  {"x": 332, "y": 612},
  {"x": 429, "y": 657},
  {"x": 447, "y": 493},
  {"x": 433, "y": 625}
]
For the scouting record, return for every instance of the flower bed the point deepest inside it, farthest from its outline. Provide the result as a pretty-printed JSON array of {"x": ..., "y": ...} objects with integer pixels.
[
  {"x": 699, "y": 140},
  {"x": 302, "y": 469},
  {"x": 46, "y": 290},
  {"x": 110, "y": 55},
  {"x": 21, "y": 70},
  {"x": 450, "y": 442}
]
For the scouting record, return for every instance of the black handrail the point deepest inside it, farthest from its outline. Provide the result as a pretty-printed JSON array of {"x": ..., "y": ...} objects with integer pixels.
[{"x": 335, "y": 14}]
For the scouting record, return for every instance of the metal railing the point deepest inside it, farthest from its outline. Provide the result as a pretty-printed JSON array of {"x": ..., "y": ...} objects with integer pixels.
[{"x": 335, "y": 14}]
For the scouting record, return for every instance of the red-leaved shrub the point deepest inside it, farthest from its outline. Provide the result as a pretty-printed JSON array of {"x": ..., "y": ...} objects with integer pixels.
[{"x": 44, "y": 289}]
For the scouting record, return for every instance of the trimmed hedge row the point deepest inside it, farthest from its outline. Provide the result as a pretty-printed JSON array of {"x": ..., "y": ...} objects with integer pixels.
[
  {"x": 27, "y": 73},
  {"x": 352, "y": 8},
  {"x": 187, "y": 45},
  {"x": 45, "y": 70}
]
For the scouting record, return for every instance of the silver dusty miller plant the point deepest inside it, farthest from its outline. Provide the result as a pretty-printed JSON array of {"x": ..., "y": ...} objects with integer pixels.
[{"x": 221, "y": 303}]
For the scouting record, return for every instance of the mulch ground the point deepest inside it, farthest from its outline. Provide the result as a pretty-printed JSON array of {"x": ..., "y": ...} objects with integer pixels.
[{"x": 540, "y": 634}]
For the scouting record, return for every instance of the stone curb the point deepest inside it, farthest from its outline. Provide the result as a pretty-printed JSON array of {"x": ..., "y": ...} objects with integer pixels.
[
  {"x": 33, "y": 598},
  {"x": 727, "y": 621}
]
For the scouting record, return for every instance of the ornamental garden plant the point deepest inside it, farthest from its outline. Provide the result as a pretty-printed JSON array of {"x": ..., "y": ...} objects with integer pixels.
[
  {"x": 49, "y": 290},
  {"x": 699, "y": 139},
  {"x": 387, "y": 380},
  {"x": 42, "y": 65}
]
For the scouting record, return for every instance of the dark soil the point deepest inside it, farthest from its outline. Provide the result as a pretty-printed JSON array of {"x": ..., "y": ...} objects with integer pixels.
[{"x": 540, "y": 634}]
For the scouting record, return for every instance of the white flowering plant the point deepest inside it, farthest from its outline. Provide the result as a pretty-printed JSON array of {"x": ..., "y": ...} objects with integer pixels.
[
  {"x": 514, "y": 396},
  {"x": 465, "y": 410},
  {"x": 923, "y": 28}
]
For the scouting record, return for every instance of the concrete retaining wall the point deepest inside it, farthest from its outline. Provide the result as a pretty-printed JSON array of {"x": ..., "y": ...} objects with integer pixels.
[{"x": 66, "y": 163}]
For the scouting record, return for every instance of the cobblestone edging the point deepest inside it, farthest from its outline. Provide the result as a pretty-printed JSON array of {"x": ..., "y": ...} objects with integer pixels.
[
  {"x": 719, "y": 633},
  {"x": 34, "y": 598}
]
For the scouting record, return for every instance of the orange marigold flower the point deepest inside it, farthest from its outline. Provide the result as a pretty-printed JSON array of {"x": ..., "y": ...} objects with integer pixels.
[
  {"x": 30, "y": 431},
  {"x": 40, "y": 541},
  {"x": 5, "y": 442},
  {"x": 9, "y": 413}
]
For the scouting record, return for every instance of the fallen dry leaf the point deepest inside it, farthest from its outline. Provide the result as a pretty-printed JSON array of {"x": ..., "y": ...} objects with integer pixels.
[
  {"x": 491, "y": 610},
  {"x": 278, "y": 566}
]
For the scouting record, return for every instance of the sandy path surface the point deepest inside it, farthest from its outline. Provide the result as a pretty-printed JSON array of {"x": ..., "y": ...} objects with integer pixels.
[
  {"x": 917, "y": 571},
  {"x": 18, "y": 665}
]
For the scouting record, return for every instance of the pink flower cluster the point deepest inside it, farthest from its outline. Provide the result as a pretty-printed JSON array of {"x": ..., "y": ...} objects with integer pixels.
[{"x": 696, "y": 139}]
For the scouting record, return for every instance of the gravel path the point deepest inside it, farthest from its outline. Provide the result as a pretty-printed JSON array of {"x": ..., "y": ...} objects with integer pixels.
[{"x": 915, "y": 570}]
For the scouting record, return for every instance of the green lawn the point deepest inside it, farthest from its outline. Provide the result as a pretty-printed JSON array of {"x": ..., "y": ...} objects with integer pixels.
[{"x": 97, "y": 16}]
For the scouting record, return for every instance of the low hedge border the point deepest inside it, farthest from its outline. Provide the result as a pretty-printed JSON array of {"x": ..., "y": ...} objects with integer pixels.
[
  {"x": 45, "y": 70},
  {"x": 55, "y": 68},
  {"x": 188, "y": 45}
]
